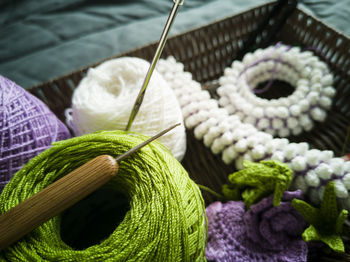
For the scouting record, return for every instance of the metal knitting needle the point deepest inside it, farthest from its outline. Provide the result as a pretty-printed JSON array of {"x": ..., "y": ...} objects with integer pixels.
[
  {"x": 62, "y": 194},
  {"x": 163, "y": 38}
]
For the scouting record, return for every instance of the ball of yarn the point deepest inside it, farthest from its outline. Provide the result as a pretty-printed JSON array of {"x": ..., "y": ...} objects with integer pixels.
[
  {"x": 166, "y": 220},
  {"x": 27, "y": 127},
  {"x": 105, "y": 97}
]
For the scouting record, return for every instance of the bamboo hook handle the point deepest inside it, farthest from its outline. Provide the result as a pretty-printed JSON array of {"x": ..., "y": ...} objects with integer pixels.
[{"x": 55, "y": 198}]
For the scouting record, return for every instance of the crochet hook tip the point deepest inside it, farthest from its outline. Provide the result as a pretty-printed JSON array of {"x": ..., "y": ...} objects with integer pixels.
[
  {"x": 153, "y": 64},
  {"x": 134, "y": 149}
]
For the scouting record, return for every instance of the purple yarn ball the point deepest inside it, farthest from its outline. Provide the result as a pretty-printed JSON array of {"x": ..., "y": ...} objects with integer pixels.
[
  {"x": 27, "y": 127},
  {"x": 263, "y": 233}
]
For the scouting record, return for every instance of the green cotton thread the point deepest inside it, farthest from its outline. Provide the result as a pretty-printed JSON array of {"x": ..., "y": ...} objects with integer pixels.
[{"x": 166, "y": 220}]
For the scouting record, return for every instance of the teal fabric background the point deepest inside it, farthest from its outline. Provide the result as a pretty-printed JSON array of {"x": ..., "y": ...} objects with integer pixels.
[{"x": 41, "y": 40}]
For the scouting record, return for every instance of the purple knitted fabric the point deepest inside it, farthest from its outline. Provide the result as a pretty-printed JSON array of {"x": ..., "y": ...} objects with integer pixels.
[
  {"x": 27, "y": 127},
  {"x": 263, "y": 233}
]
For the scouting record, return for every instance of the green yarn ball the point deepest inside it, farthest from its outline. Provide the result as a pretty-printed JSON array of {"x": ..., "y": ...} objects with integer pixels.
[{"x": 166, "y": 220}]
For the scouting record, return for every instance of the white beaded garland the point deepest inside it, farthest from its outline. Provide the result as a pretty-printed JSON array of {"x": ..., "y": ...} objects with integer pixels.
[
  {"x": 287, "y": 115},
  {"x": 237, "y": 141}
]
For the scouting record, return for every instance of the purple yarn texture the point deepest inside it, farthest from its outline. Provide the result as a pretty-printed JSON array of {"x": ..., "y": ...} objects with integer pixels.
[
  {"x": 263, "y": 233},
  {"x": 27, "y": 127}
]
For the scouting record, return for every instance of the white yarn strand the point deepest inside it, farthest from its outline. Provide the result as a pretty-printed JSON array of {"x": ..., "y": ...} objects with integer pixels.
[
  {"x": 104, "y": 99},
  {"x": 227, "y": 134}
]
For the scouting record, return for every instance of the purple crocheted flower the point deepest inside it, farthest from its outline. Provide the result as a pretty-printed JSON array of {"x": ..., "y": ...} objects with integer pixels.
[{"x": 263, "y": 233}]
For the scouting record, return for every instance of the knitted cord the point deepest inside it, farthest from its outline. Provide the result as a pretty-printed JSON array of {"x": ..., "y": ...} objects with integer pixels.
[
  {"x": 236, "y": 141},
  {"x": 284, "y": 116}
]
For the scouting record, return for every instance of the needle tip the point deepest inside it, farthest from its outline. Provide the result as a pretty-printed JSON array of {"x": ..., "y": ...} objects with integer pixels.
[{"x": 134, "y": 149}]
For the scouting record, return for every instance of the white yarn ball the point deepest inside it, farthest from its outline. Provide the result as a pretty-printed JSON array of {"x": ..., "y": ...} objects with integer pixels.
[{"x": 104, "y": 99}]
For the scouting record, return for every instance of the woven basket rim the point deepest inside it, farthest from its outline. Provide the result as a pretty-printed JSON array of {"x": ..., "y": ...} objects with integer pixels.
[{"x": 124, "y": 53}]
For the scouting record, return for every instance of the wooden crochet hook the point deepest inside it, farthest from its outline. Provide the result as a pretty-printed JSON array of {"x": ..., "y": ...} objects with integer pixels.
[{"x": 62, "y": 194}]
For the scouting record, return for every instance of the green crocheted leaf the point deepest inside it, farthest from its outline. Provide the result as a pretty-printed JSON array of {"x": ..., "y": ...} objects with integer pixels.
[
  {"x": 281, "y": 186},
  {"x": 311, "y": 234},
  {"x": 309, "y": 213},
  {"x": 329, "y": 206},
  {"x": 326, "y": 223},
  {"x": 346, "y": 231},
  {"x": 231, "y": 193},
  {"x": 258, "y": 180},
  {"x": 340, "y": 221},
  {"x": 250, "y": 196},
  {"x": 333, "y": 241}
]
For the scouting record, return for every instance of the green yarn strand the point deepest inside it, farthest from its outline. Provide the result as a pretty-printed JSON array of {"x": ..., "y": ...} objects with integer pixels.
[{"x": 166, "y": 220}]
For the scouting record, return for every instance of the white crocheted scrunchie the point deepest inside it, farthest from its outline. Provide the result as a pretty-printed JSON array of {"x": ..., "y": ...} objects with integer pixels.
[
  {"x": 286, "y": 115},
  {"x": 227, "y": 134}
]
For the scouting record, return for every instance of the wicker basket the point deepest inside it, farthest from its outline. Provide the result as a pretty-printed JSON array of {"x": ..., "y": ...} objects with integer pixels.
[{"x": 206, "y": 51}]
